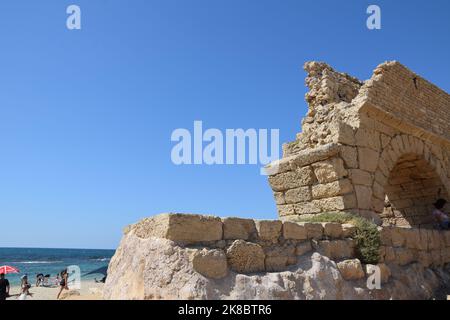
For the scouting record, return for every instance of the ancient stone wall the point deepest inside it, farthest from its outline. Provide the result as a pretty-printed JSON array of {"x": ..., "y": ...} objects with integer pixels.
[
  {"x": 246, "y": 245},
  {"x": 183, "y": 256},
  {"x": 380, "y": 148}
]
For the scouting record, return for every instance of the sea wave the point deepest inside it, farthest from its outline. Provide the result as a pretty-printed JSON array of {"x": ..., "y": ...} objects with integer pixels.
[
  {"x": 100, "y": 259},
  {"x": 36, "y": 262}
]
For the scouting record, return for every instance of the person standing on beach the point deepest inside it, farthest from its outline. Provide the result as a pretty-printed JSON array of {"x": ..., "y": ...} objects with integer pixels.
[
  {"x": 4, "y": 287},
  {"x": 25, "y": 288},
  {"x": 63, "y": 283}
]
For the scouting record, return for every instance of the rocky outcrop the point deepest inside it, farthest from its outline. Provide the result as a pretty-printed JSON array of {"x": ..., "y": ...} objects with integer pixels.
[{"x": 279, "y": 260}]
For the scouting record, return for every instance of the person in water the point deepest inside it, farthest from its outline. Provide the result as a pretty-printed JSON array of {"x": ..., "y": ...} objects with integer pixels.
[{"x": 439, "y": 215}]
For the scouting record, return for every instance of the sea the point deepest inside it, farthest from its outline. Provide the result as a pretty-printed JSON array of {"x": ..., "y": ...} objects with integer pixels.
[{"x": 32, "y": 261}]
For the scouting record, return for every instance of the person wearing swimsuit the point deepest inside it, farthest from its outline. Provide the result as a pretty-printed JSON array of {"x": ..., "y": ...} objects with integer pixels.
[{"x": 63, "y": 283}]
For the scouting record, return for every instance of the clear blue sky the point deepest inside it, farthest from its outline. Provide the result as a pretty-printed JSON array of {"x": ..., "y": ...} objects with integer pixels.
[{"x": 86, "y": 116}]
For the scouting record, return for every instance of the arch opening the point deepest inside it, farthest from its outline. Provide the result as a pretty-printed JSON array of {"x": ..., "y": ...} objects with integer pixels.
[{"x": 412, "y": 188}]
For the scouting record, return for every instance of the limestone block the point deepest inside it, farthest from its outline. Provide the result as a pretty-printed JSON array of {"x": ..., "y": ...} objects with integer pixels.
[
  {"x": 346, "y": 134},
  {"x": 246, "y": 257},
  {"x": 338, "y": 203},
  {"x": 210, "y": 263},
  {"x": 301, "y": 194},
  {"x": 348, "y": 230},
  {"x": 313, "y": 230},
  {"x": 351, "y": 269},
  {"x": 303, "y": 248},
  {"x": 361, "y": 177},
  {"x": 294, "y": 231},
  {"x": 423, "y": 234},
  {"x": 350, "y": 156},
  {"x": 306, "y": 208},
  {"x": 332, "y": 229},
  {"x": 389, "y": 254},
  {"x": 237, "y": 228},
  {"x": 385, "y": 236},
  {"x": 332, "y": 189},
  {"x": 397, "y": 237},
  {"x": 363, "y": 196},
  {"x": 319, "y": 153},
  {"x": 447, "y": 238},
  {"x": 286, "y": 210},
  {"x": 187, "y": 228},
  {"x": 368, "y": 159},
  {"x": 292, "y": 179},
  {"x": 424, "y": 258},
  {"x": 377, "y": 205},
  {"x": 412, "y": 238},
  {"x": 403, "y": 256},
  {"x": 368, "y": 138},
  {"x": 382, "y": 254},
  {"x": 269, "y": 230},
  {"x": 337, "y": 249},
  {"x": 277, "y": 263},
  {"x": 279, "y": 198},
  {"x": 329, "y": 170},
  {"x": 436, "y": 257}
]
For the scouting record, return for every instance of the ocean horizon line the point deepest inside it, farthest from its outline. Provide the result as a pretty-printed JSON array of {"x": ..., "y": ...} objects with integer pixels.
[{"x": 53, "y": 248}]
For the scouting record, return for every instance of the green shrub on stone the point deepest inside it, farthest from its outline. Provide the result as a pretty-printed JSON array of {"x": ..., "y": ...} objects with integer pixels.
[{"x": 367, "y": 236}]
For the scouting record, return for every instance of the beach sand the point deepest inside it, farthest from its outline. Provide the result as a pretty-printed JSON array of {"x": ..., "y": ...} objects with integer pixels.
[{"x": 90, "y": 290}]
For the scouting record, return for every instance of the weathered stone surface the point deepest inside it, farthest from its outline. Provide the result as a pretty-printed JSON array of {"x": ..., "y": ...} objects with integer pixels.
[
  {"x": 361, "y": 177},
  {"x": 303, "y": 248},
  {"x": 301, "y": 194},
  {"x": 237, "y": 228},
  {"x": 278, "y": 258},
  {"x": 337, "y": 249},
  {"x": 348, "y": 230},
  {"x": 292, "y": 179},
  {"x": 294, "y": 231},
  {"x": 330, "y": 170},
  {"x": 188, "y": 228},
  {"x": 338, "y": 203},
  {"x": 246, "y": 257},
  {"x": 313, "y": 230},
  {"x": 332, "y": 189},
  {"x": 351, "y": 269},
  {"x": 211, "y": 263},
  {"x": 269, "y": 229},
  {"x": 332, "y": 229},
  {"x": 403, "y": 256}
]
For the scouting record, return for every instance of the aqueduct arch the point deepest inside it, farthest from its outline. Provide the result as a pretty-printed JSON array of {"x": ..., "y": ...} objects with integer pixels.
[{"x": 379, "y": 148}]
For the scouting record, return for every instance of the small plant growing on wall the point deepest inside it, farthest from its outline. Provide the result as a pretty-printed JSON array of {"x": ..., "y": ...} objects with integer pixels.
[{"x": 367, "y": 236}]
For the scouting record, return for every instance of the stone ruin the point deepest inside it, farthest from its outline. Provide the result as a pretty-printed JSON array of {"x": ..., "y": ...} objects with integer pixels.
[{"x": 379, "y": 148}]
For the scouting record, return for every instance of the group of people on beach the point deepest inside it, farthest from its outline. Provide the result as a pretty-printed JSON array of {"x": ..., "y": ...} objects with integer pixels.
[{"x": 60, "y": 280}]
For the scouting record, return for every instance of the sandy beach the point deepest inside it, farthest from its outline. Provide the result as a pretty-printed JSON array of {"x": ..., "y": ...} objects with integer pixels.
[{"x": 90, "y": 290}]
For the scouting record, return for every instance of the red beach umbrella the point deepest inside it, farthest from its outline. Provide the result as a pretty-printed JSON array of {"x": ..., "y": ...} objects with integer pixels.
[{"x": 8, "y": 269}]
